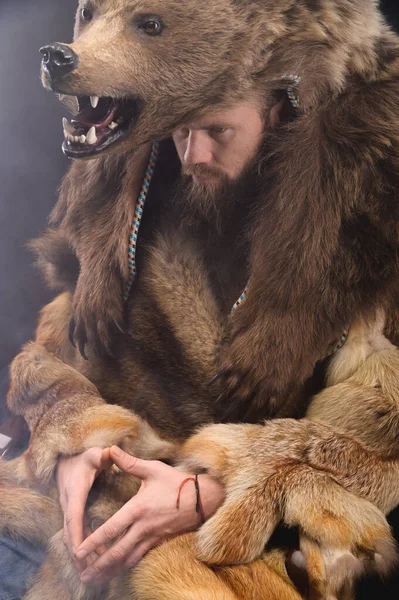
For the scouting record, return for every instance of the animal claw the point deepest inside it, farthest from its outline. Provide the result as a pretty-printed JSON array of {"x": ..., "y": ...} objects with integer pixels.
[
  {"x": 225, "y": 418},
  {"x": 231, "y": 410},
  {"x": 71, "y": 333},
  {"x": 248, "y": 415},
  {"x": 237, "y": 396},
  {"x": 119, "y": 326},
  {"x": 82, "y": 341},
  {"x": 215, "y": 379},
  {"x": 230, "y": 389},
  {"x": 82, "y": 346},
  {"x": 102, "y": 343}
]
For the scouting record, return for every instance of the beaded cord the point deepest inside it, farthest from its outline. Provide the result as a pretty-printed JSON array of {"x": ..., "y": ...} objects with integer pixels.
[
  {"x": 295, "y": 80},
  {"x": 341, "y": 342},
  {"x": 239, "y": 301},
  {"x": 138, "y": 215}
]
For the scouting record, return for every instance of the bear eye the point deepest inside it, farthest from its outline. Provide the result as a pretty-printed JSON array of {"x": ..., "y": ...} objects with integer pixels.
[
  {"x": 86, "y": 14},
  {"x": 151, "y": 26}
]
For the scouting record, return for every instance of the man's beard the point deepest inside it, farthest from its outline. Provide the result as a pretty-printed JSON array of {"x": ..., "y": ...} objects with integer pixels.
[{"x": 214, "y": 200}]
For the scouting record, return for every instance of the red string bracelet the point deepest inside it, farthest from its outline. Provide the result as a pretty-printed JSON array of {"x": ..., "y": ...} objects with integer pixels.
[{"x": 198, "y": 507}]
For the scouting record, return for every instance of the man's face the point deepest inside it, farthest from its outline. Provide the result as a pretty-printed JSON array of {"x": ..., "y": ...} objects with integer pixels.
[{"x": 216, "y": 149}]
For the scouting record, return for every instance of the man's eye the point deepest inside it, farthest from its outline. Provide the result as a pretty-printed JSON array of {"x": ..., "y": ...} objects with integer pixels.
[{"x": 218, "y": 130}]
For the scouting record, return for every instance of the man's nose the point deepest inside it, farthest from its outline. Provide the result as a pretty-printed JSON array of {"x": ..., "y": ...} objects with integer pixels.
[
  {"x": 198, "y": 150},
  {"x": 58, "y": 60}
]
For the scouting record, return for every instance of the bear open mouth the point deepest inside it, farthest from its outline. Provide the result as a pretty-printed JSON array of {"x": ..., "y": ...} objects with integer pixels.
[{"x": 100, "y": 123}]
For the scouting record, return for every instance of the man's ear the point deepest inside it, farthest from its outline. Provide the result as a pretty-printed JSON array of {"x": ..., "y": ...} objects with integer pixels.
[{"x": 275, "y": 112}]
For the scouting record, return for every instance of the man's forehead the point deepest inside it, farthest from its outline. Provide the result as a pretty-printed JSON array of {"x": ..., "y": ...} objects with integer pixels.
[
  {"x": 209, "y": 121},
  {"x": 229, "y": 115}
]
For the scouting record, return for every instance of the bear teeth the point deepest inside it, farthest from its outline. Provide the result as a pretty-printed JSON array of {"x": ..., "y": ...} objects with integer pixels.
[
  {"x": 91, "y": 136},
  {"x": 69, "y": 133},
  {"x": 94, "y": 100}
]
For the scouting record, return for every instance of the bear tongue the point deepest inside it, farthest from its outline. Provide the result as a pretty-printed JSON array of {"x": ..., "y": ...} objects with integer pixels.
[{"x": 101, "y": 116}]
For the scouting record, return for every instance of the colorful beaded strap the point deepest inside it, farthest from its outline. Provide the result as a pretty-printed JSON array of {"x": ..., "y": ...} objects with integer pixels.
[
  {"x": 294, "y": 80},
  {"x": 341, "y": 342},
  {"x": 240, "y": 300},
  {"x": 138, "y": 215}
]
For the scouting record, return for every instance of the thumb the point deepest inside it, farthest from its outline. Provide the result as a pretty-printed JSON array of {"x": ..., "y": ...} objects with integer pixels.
[
  {"x": 105, "y": 461},
  {"x": 130, "y": 464}
]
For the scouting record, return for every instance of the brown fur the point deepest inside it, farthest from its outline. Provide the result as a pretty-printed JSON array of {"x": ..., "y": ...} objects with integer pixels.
[{"x": 319, "y": 248}]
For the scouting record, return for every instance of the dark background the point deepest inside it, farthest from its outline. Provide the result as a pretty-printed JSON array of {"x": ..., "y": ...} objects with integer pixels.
[{"x": 31, "y": 162}]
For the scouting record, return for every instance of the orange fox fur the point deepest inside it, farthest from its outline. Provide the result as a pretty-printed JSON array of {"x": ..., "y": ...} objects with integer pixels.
[{"x": 343, "y": 530}]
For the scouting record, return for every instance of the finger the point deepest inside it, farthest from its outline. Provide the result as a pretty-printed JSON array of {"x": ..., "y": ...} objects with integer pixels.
[
  {"x": 68, "y": 545},
  {"x": 115, "y": 556},
  {"x": 66, "y": 539},
  {"x": 143, "y": 469},
  {"x": 74, "y": 517},
  {"x": 131, "y": 561},
  {"x": 91, "y": 559},
  {"x": 62, "y": 497},
  {"x": 125, "y": 553},
  {"x": 140, "y": 551},
  {"x": 114, "y": 527},
  {"x": 98, "y": 461},
  {"x": 99, "y": 550},
  {"x": 106, "y": 460},
  {"x": 82, "y": 565}
]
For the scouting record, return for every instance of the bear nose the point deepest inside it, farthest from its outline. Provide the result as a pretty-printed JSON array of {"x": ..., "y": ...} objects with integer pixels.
[{"x": 58, "y": 60}]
